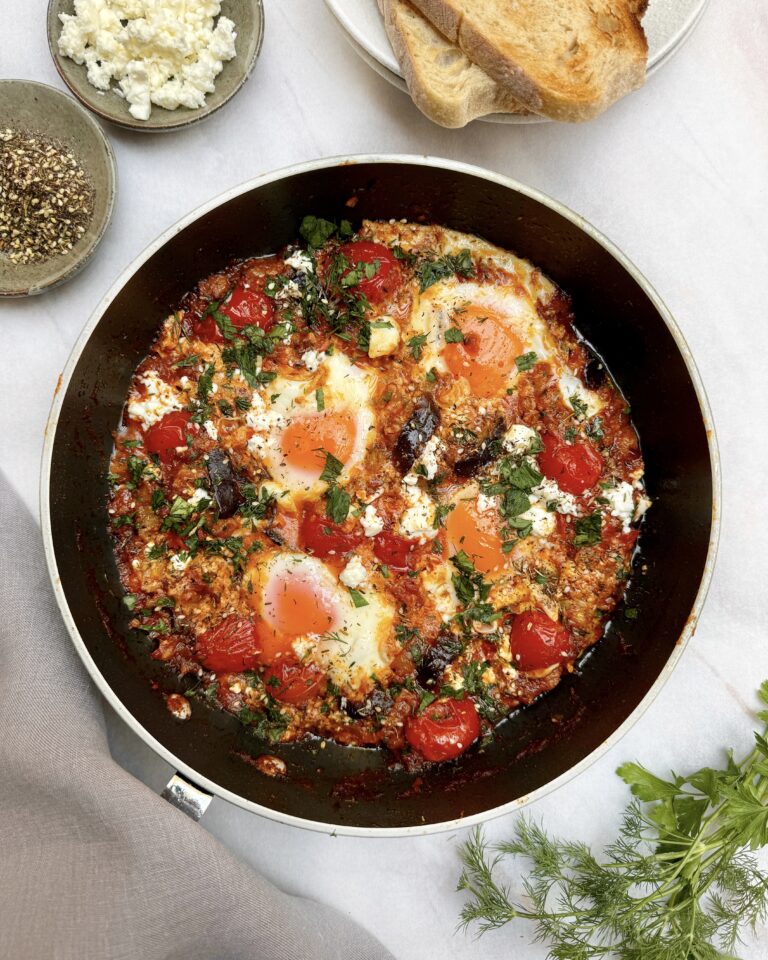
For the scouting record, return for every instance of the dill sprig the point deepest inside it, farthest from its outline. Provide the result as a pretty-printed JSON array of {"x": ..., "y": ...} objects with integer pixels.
[{"x": 680, "y": 881}]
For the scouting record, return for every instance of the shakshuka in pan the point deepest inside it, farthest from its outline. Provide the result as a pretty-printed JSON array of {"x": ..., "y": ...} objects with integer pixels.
[{"x": 374, "y": 489}]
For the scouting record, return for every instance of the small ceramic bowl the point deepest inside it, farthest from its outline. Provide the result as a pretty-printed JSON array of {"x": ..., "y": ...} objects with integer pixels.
[
  {"x": 248, "y": 17},
  {"x": 38, "y": 108}
]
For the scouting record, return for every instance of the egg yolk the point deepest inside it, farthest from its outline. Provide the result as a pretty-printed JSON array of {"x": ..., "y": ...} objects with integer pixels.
[
  {"x": 486, "y": 357},
  {"x": 295, "y": 604},
  {"x": 476, "y": 533},
  {"x": 307, "y": 439}
]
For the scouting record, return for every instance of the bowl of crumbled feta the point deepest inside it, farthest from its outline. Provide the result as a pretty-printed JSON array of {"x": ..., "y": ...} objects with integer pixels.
[{"x": 155, "y": 64}]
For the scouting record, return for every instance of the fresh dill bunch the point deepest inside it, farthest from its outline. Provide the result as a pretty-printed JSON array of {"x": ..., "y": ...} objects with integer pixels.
[{"x": 678, "y": 883}]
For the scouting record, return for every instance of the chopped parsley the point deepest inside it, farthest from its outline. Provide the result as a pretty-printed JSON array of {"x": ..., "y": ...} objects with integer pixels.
[
  {"x": 332, "y": 469},
  {"x": 136, "y": 467},
  {"x": 454, "y": 335},
  {"x": 426, "y": 698},
  {"x": 316, "y": 231},
  {"x": 579, "y": 407},
  {"x": 594, "y": 428},
  {"x": 526, "y": 361},
  {"x": 124, "y": 520},
  {"x": 205, "y": 382},
  {"x": 257, "y": 503},
  {"x": 416, "y": 345},
  {"x": 337, "y": 504},
  {"x": 441, "y": 512},
  {"x": 472, "y": 592},
  {"x": 267, "y": 724},
  {"x": 358, "y": 599},
  {"x": 431, "y": 271},
  {"x": 589, "y": 530}
]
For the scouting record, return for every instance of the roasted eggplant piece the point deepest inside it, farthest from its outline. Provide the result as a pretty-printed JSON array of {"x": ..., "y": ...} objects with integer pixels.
[
  {"x": 378, "y": 703},
  {"x": 486, "y": 453},
  {"x": 224, "y": 483},
  {"x": 437, "y": 657},
  {"x": 416, "y": 431}
]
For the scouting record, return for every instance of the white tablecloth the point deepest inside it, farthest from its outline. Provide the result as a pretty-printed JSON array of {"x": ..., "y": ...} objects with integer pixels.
[{"x": 677, "y": 176}]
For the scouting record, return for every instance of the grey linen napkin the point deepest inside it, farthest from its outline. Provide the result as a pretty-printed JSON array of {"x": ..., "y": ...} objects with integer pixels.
[{"x": 92, "y": 863}]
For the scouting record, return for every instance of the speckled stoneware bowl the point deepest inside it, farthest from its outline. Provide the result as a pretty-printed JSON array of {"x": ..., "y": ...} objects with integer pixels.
[
  {"x": 248, "y": 17},
  {"x": 38, "y": 108}
]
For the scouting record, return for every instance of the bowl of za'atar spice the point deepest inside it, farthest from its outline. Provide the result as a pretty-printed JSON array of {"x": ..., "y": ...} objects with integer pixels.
[{"x": 57, "y": 187}]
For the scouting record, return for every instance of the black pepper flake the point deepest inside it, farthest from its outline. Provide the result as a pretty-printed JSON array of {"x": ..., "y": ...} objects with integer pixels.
[{"x": 46, "y": 197}]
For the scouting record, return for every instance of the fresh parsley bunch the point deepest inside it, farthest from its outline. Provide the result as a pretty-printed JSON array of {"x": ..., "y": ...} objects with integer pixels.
[{"x": 680, "y": 882}]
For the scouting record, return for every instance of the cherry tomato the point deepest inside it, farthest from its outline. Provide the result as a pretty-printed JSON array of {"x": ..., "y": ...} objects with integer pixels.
[
  {"x": 444, "y": 729},
  {"x": 167, "y": 434},
  {"x": 575, "y": 466},
  {"x": 246, "y": 307},
  {"x": 293, "y": 682},
  {"x": 386, "y": 278},
  {"x": 537, "y": 641},
  {"x": 393, "y": 551},
  {"x": 230, "y": 647},
  {"x": 324, "y": 538},
  {"x": 243, "y": 307}
]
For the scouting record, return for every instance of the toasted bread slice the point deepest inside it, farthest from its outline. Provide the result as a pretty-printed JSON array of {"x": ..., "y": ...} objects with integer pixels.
[
  {"x": 564, "y": 59},
  {"x": 443, "y": 82}
]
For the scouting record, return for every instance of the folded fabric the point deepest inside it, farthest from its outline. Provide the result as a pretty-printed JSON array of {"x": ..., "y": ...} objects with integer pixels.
[{"x": 92, "y": 863}]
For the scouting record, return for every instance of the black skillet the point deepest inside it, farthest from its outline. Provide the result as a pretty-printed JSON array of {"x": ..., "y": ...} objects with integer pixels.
[{"x": 352, "y": 790}]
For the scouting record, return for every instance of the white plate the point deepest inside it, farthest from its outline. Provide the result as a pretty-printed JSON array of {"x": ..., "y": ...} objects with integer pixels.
[{"x": 667, "y": 23}]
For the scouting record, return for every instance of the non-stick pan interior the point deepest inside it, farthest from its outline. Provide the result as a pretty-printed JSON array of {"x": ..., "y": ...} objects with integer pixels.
[{"x": 350, "y": 787}]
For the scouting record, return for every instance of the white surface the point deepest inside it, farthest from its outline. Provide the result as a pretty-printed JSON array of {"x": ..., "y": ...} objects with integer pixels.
[
  {"x": 666, "y": 23},
  {"x": 676, "y": 175}
]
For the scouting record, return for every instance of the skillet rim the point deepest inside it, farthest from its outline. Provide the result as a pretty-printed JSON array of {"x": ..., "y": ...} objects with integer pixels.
[{"x": 284, "y": 173}]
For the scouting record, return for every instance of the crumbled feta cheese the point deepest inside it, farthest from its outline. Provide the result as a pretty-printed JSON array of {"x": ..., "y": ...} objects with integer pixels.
[
  {"x": 371, "y": 522},
  {"x": 384, "y": 340},
  {"x": 354, "y": 573},
  {"x": 185, "y": 383},
  {"x": 486, "y": 503},
  {"x": 168, "y": 53},
  {"x": 301, "y": 262},
  {"x": 265, "y": 423},
  {"x": 429, "y": 455},
  {"x": 180, "y": 561},
  {"x": 160, "y": 400},
  {"x": 312, "y": 359},
  {"x": 518, "y": 439},
  {"x": 179, "y": 706},
  {"x": 197, "y": 496},
  {"x": 417, "y": 521},
  {"x": 289, "y": 291},
  {"x": 541, "y": 520},
  {"x": 210, "y": 429},
  {"x": 621, "y": 502},
  {"x": 550, "y": 493}
]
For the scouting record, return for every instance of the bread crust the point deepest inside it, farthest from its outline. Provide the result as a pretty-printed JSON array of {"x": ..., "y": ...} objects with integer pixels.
[
  {"x": 570, "y": 70},
  {"x": 443, "y": 82}
]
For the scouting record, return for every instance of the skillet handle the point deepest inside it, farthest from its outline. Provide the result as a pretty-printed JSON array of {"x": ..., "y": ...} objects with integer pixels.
[{"x": 185, "y": 796}]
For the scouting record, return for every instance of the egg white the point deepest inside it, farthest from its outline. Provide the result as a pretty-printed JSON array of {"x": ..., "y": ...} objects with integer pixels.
[
  {"x": 358, "y": 647},
  {"x": 345, "y": 387}
]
